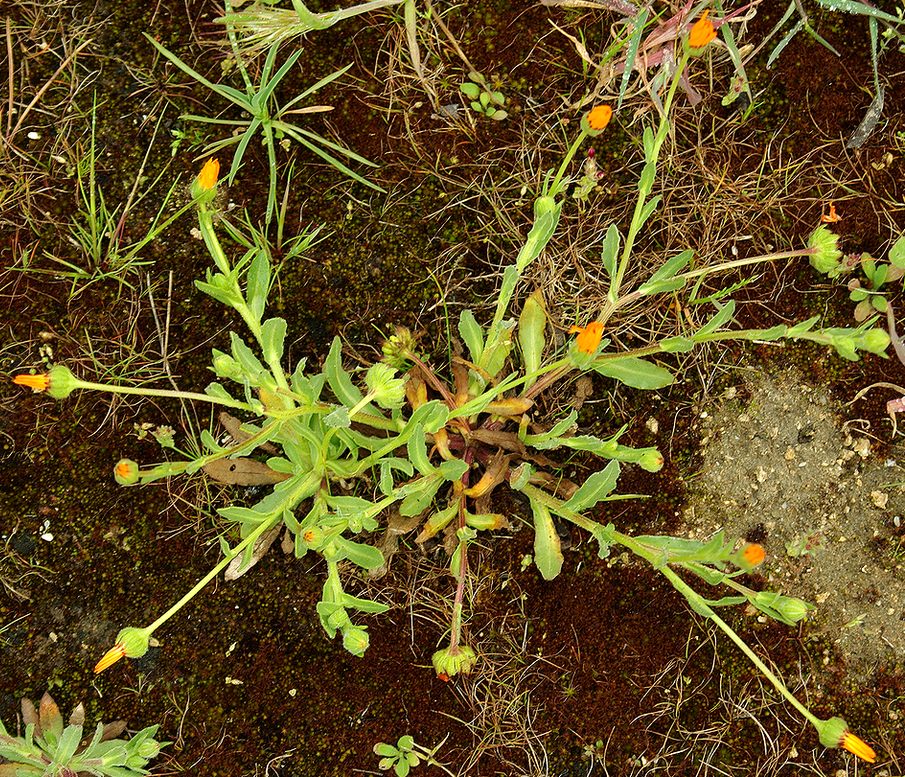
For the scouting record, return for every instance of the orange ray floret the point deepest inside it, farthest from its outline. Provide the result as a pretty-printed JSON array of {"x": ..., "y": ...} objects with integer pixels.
[
  {"x": 113, "y": 655},
  {"x": 588, "y": 337},
  {"x": 207, "y": 178},
  {"x": 702, "y": 32},
  {"x": 599, "y": 116},
  {"x": 858, "y": 747},
  {"x": 34, "y": 382},
  {"x": 754, "y": 554}
]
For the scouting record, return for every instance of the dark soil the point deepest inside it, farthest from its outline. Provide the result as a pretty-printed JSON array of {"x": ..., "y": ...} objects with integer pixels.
[{"x": 602, "y": 671}]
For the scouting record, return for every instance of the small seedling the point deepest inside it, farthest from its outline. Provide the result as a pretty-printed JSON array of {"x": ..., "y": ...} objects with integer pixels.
[
  {"x": 406, "y": 755},
  {"x": 484, "y": 99}
]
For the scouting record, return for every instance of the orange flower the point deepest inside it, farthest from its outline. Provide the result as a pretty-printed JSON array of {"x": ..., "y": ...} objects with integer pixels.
[
  {"x": 832, "y": 217},
  {"x": 754, "y": 554},
  {"x": 599, "y": 116},
  {"x": 858, "y": 747},
  {"x": 34, "y": 382},
  {"x": 113, "y": 655},
  {"x": 588, "y": 337},
  {"x": 702, "y": 32},
  {"x": 207, "y": 178}
]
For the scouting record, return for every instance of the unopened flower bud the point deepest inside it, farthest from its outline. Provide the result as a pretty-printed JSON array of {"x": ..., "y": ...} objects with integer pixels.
[
  {"x": 126, "y": 472},
  {"x": 451, "y": 661},
  {"x": 826, "y": 256},
  {"x": 355, "y": 640},
  {"x": 131, "y": 642}
]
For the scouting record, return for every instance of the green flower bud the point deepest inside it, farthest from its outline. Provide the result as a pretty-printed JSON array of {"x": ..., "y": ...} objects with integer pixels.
[
  {"x": 388, "y": 390},
  {"x": 126, "y": 472},
  {"x": 62, "y": 382},
  {"x": 355, "y": 640},
  {"x": 148, "y": 749},
  {"x": 451, "y": 661},
  {"x": 651, "y": 460},
  {"x": 130, "y": 642},
  {"x": 134, "y": 641},
  {"x": 225, "y": 366},
  {"x": 832, "y": 731},
  {"x": 543, "y": 205},
  {"x": 826, "y": 257}
]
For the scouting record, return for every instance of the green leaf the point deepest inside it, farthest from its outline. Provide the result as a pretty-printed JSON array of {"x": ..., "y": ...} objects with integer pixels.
[
  {"x": 339, "y": 380},
  {"x": 257, "y": 283},
  {"x": 531, "y": 325},
  {"x": 897, "y": 253},
  {"x": 631, "y": 50},
  {"x": 635, "y": 372},
  {"x": 648, "y": 209},
  {"x": 677, "y": 344},
  {"x": 646, "y": 180},
  {"x": 273, "y": 337},
  {"x": 668, "y": 271},
  {"x": 338, "y": 419},
  {"x": 453, "y": 469},
  {"x": 385, "y": 750},
  {"x": 609, "y": 254},
  {"x": 417, "y": 451},
  {"x": 723, "y": 317},
  {"x": 419, "y": 498},
  {"x": 365, "y": 556},
  {"x": 250, "y": 363},
  {"x": 596, "y": 488},
  {"x": 69, "y": 741},
  {"x": 473, "y": 335},
  {"x": 547, "y": 549},
  {"x": 363, "y": 605}
]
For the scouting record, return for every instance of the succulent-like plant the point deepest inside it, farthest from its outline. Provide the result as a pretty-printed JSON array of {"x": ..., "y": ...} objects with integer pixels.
[{"x": 50, "y": 749}]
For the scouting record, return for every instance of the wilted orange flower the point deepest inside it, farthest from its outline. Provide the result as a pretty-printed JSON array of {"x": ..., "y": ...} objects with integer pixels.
[
  {"x": 858, "y": 747},
  {"x": 207, "y": 178},
  {"x": 599, "y": 116},
  {"x": 702, "y": 32},
  {"x": 832, "y": 217},
  {"x": 754, "y": 554},
  {"x": 113, "y": 655},
  {"x": 34, "y": 382},
  {"x": 588, "y": 337}
]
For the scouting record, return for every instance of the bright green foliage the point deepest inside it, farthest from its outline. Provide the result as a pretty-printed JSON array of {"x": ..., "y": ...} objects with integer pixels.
[
  {"x": 483, "y": 98},
  {"x": 49, "y": 748},
  {"x": 868, "y": 293},
  {"x": 268, "y": 118}
]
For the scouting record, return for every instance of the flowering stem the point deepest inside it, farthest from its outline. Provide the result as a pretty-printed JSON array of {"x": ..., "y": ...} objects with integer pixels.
[
  {"x": 150, "y": 392},
  {"x": 263, "y": 527},
  {"x": 645, "y": 187},
  {"x": 555, "y": 186},
  {"x": 701, "y": 607}
]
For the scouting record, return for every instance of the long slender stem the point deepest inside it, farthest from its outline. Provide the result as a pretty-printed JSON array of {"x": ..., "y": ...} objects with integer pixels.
[
  {"x": 650, "y": 158},
  {"x": 151, "y": 392},
  {"x": 268, "y": 523}
]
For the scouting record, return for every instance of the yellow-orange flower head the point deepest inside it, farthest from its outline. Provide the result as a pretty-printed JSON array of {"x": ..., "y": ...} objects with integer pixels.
[
  {"x": 857, "y": 746},
  {"x": 702, "y": 32},
  {"x": 754, "y": 554},
  {"x": 34, "y": 382},
  {"x": 599, "y": 116},
  {"x": 207, "y": 178},
  {"x": 588, "y": 337}
]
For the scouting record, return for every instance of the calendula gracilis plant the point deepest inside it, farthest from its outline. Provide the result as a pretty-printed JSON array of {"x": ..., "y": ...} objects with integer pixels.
[{"x": 435, "y": 442}]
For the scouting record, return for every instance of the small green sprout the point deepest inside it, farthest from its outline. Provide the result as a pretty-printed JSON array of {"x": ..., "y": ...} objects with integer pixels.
[
  {"x": 406, "y": 755},
  {"x": 484, "y": 99}
]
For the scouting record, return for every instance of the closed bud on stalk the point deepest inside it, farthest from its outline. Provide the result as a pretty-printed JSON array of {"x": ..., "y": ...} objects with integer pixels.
[
  {"x": 356, "y": 640},
  {"x": 826, "y": 257},
  {"x": 126, "y": 472},
  {"x": 451, "y": 661},
  {"x": 131, "y": 642}
]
